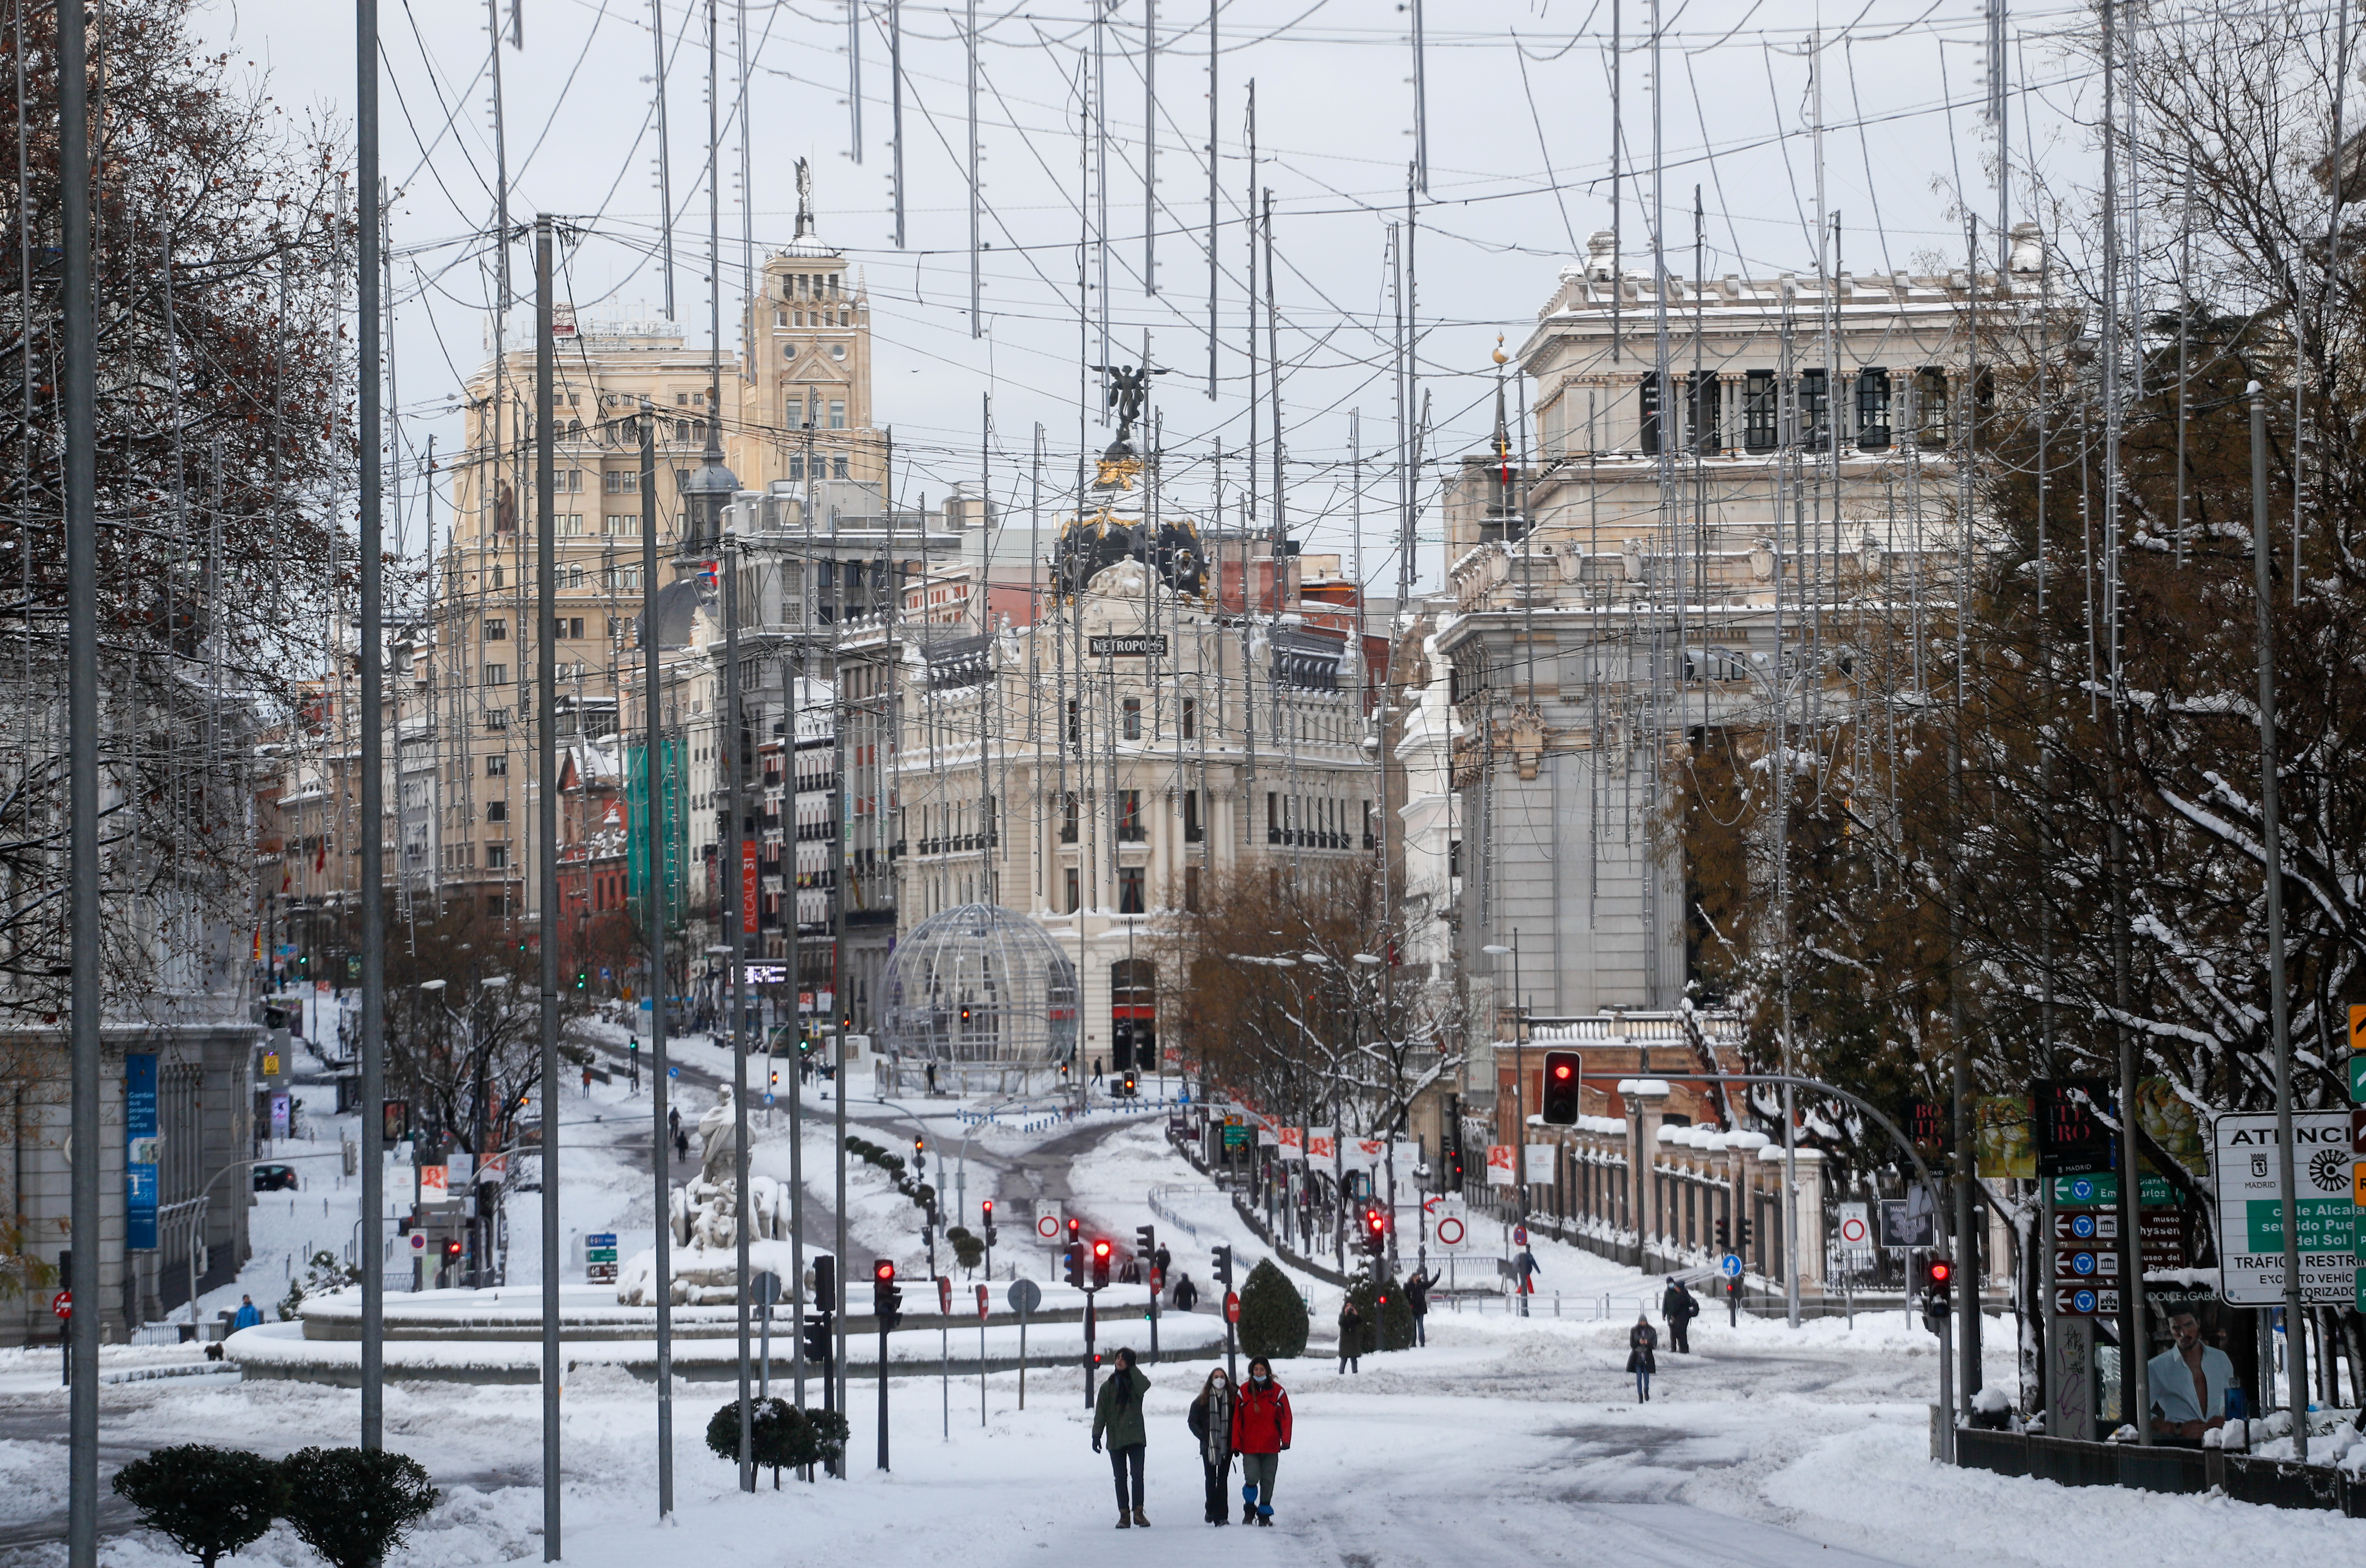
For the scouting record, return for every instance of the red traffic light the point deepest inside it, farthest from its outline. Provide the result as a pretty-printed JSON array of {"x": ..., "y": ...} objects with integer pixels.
[
  {"x": 1942, "y": 1271},
  {"x": 883, "y": 1270},
  {"x": 1101, "y": 1249},
  {"x": 1074, "y": 1225},
  {"x": 988, "y": 1207},
  {"x": 451, "y": 1250},
  {"x": 1562, "y": 1071},
  {"x": 1376, "y": 1221}
]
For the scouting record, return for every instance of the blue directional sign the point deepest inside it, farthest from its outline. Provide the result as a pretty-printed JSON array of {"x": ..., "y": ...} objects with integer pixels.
[
  {"x": 2082, "y": 1225},
  {"x": 2083, "y": 1300},
  {"x": 1730, "y": 1266}
]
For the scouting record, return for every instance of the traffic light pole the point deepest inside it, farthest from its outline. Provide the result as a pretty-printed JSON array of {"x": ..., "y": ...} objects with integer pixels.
[
  {"x": 883, "y": 1391},
  {"x": 1089, "y": 1326}
]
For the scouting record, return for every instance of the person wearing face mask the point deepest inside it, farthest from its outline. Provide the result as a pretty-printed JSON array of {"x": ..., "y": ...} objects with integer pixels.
[
  {"x": 1260, "y": 1433},
  {"x": 1118, "y": 1414},
  {"x": 1210, "y": 1420}
]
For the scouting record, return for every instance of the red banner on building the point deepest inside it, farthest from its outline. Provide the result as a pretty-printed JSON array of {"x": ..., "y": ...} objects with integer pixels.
[{"x": 747, "y": 886}]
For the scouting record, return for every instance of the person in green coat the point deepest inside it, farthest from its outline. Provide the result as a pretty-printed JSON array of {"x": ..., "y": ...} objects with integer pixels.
[{"x": 1117, "y": 1414}]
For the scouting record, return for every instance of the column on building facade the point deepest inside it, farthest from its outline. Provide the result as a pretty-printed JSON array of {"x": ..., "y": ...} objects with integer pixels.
[
  {"x": 1806, "y": 1209},
  {"x": 1646, "y": 1097},
  {"x": 1741, "y": 1158}
]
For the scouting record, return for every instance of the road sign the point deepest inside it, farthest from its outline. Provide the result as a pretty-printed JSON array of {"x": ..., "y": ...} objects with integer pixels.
[
  {"x": 2085, "y": 1226},
  {"x": 2086, "y": 1301},
  {"x": 62, "y": 1305},
  {"x": 2250, "y": 1210},
  {"x": 1519, "y": 1236},
  {"x": 2357, "y": 1045},
  {"x": 1855, "y": 1228},
  {"x": 2085, "y": 1265},
  {"x": 1449, "y": 1232},
  {"x": 1024, "y": 1296},
  {"x": 1239, "y": 1135},
  {"x": 599, "y": 1263},
  {"x": 1730, "y": 1266},
  {"x": 764, "y": 1287},
  {"x": 1047, "y": 1225},
  {"x": 981, "y": 1304},
  {"x": 945, "y": 1295},
  {"x": 2102, "y": 1191},
  {"x": 1232, "y": 1306}
]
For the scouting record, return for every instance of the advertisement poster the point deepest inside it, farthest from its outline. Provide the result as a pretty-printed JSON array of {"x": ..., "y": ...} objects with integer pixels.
[
  {"x": 1499, "y": 1166},
  {"x": 2172, "y": 1122},
  {"x": 140, "y": 1152},
  {"x": 2004, "y": 1137}
]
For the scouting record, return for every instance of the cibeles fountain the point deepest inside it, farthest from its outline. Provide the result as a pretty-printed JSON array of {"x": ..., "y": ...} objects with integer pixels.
[
  {"x": 706, "y": 1215},
  {"x": 493, "y": 1334}
]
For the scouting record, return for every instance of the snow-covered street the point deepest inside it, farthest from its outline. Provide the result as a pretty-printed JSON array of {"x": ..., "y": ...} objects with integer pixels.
[{"x": 1503, "y": 1441}]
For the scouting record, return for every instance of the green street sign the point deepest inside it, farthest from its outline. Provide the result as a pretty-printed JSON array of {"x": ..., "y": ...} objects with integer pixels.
[
  {"x": 2103, "y": 1192},
  {"x": 2358, "y": 1080},
  {"x": 2361, "y": 1290},
  {"x": 2324, "y": 1224}
]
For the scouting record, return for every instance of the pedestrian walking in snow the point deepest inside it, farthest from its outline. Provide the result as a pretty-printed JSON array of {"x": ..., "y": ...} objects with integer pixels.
[
  {"x": 933, "y": 1078},
  {"x": 1416, "y": 1288},
  {"x": 1679, "y": 1309},
  {"x": 1097, "y": 1070},
  {"x": 1165, "y": 1260},
  {"x": 587, "y": 1083},
  {"x": 1187, "y": 1294},
  {"x": 680, "y": 1144},
  {"x": 1210, "y": 1420},
  {"x": 1351, "y": 1338},
  {"x": 249, "y": 1314},
  {"x": 1117, "y": 1415},
  {"x": 1260, "y": 1434},
  {"x": 1642, "y": 1340}
]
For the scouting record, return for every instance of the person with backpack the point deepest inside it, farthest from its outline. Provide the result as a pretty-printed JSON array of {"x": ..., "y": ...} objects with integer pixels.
[
  {"x": 1260, "y": 1435},
  {"x": 1117, "y": 1414},
  {"x": 1641, "y": 1341},
  {"x": 1679, "y": 1309},
  {"x": 1351, "y": 1337},
  {"x": 1210, "y": 1420}
]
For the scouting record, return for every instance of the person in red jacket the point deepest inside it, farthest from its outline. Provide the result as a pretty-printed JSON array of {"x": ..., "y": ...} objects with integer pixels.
[{"x": 1260, "y": 1431}]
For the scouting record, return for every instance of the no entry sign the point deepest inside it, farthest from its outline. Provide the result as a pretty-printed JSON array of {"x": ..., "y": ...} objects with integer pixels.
[
  {"x": 1449, "y": 1232},
  {"x": 1232, "y": 1306},
  {"x": 1047, "y": 1225}
]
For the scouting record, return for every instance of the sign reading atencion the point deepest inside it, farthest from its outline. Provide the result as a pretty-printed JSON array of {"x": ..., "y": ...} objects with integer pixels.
[{"x": 2250, "y": 1207}]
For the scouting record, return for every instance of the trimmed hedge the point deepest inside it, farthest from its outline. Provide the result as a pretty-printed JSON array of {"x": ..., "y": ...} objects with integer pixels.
[{"x": 1273, "y": 1318}]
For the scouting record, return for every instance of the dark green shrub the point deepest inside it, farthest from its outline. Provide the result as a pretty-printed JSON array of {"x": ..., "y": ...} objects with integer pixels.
[
  {"x": 353, "y": 1506},
  {"x": 205, "y": 1500},
  {"x": 1273, "y": 1318},
  {"x": 969, "y": 1248},
  {"x": 1388, "y": 1315},
  {"x": 780, "y": 1437}
]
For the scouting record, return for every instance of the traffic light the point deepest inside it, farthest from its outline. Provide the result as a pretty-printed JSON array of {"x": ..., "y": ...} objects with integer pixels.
[
  {"x": 633, "y": 1045},
  {"x": 825, "y": 1284},
  {"x": 1453, "y": 1169},
  {"x": 1101, "y": 1250},
  {"x": 1742, "y": 1236},
  {"x": 1376, "y": 1232},
  {"x": 1075, "y": 1231},
  {"x": 985, "y": 1218},
  {"x": 1222, "y": 1267},
  {"x": 581, "y": 976},
  {"x": 886, "y": 1295},
  {"x": 452, "y": 1250},
  {"x": 1127, "y": 1089},
  {"x": 817, "y": 1340},
  {"x": 1072, "y": 1264},
  {"x": 1560, "y": 1088},
  {"x": 1146, "y": 1243},
  {"x": 1724, "y": 1236},
  {"x": 776, "y": 1077}
]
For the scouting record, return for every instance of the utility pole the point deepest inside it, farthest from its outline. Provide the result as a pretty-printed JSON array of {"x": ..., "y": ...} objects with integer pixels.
[
  {"x": 79, "y": 404},
  {"x": 373, "y": 694},
  {"x": 655, "y": 815},
  {"x": 2271, "y": 844},
  {"x": 546, "y": 699}
]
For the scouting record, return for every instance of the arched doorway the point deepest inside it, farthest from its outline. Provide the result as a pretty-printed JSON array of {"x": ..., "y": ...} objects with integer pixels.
[{"x": 1134, "y": 1015}]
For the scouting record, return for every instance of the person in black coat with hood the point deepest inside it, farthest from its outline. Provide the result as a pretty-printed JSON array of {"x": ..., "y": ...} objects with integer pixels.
[{"x": 1642, "y": 1340}]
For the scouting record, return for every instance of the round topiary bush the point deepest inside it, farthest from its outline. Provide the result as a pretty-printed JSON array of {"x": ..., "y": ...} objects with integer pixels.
[
  {"x": 353, "y": 1506},
  {"x": 1273, "y": 1318},
  {"x": 205, "y": 1500}
]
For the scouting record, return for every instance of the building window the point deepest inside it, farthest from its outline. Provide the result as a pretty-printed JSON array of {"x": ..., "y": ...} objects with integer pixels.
[
  {"x": 1873, "y": 409},
  {"x": 1272, "y": 817},
  {"x": 623, "y": 525},
  {"x": 1815, "y": 409},
  {"x": 1191, "y": 890},
  {"x": 1709, "y": 414},
  {"x": 1929, "y": 406},
  {"x": 1075, "y": 722},
  {"x": 497, "y": 628},
  {"x": 1134, "y": 718},
  {"x": 1648, "y": 416},
  {"x": 497, "y": 811},
  {"x": 496, "y": 904},
  {"x": 1073, "y": 900},
  {"x": 496, "y": 857},
  {"x": 1068, "y": 817},
  {"x": 1758, "y": 413},
  {"x": 497, "y": 765},
  {"x": 1191, "y": 718},
  {"x": 1130, "y": 829},
  {"x": 1194, "y": 831},
  {"x": 1130, "y": 890},
  {"x": 569, "y": 524},
  {"x": 497, "y": 675},
  {"x": 623, "y": 482},
  {"x": 838, "y": 465},
  {"x": 838, "y": 414}
]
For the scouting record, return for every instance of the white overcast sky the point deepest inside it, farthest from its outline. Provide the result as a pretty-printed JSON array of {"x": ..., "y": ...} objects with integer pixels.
[{"x": 1519, "y": 160}]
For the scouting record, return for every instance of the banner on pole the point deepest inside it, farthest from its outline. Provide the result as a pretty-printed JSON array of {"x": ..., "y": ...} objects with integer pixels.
[{"x": 1499, "y": 1166}]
